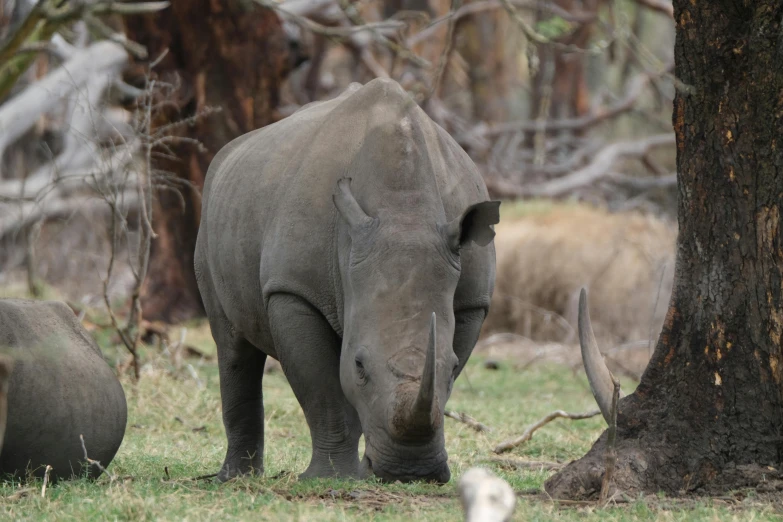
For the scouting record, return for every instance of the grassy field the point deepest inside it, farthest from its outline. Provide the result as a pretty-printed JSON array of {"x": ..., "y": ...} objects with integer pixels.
[{"x": 175, "y": 434}]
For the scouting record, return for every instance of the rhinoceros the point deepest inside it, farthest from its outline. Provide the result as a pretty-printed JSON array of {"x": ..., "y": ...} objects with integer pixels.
[
  {"x": 351, "y": 241},
  {"x": 60, "y": 389}
]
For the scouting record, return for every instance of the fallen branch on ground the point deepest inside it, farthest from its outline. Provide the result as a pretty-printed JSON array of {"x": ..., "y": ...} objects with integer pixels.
[
  {"x": 467, "y": 419},
  {"x": 95, "y": 462},
  {"x": 542, "y": 465},
  {"x": 528, "y": 434},
  {"x": 47, "y": 471}
]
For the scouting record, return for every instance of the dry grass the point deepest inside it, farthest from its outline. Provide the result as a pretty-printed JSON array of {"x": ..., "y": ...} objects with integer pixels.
[
  {"x": 546, "y": 252},
  {"x": 175, "y": 434}
]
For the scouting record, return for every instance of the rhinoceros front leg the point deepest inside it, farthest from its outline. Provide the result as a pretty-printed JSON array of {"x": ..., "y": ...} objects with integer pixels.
[
  {"x": 309, "y": 352},
  {"x": 241, "y": 367}
]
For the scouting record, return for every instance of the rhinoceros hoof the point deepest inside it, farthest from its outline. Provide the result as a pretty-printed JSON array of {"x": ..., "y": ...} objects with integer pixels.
[
  {"x": 61, "y": 391},
  {"x": 227, "y": 473}
]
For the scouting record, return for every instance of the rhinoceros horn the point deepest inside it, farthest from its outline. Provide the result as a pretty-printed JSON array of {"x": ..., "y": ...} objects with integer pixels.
[
  {"x": 424, "y": 411},
  {"x": 348, "y": 206}
]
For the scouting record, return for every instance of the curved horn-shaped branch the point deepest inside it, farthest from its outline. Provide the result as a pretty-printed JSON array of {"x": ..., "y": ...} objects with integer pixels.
[
  {"x": 425, "y": 401},
  {"x": 598, "y": 375},
  {"x": 348, "y": 206}
]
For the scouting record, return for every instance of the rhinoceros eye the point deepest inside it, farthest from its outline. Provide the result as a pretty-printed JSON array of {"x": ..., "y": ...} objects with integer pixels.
[
  {"x": 453, "y": 376},
  {"x": 361, "y": 373}
]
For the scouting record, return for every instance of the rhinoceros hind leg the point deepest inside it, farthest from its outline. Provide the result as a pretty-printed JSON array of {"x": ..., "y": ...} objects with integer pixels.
[
  {"x": 241, "y": 367},
  {"x": 309, "y": 352}
]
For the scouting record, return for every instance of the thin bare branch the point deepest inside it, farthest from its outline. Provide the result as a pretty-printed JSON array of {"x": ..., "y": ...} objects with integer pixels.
[
  {"x": 626, "y": 103},
  {"x": 661, "y": 6},
  {"x": 540, "y": 465},
  {"x": 467, "y": 419},
  {"x": 445, "y": 54},
  {"x": 98, "y": 60},
  {"x": 600, "y": 167},
  {"x": 510, "y": 444},
  {"x": 93, "y": 462},
  {"x": 47, "y": 471}
]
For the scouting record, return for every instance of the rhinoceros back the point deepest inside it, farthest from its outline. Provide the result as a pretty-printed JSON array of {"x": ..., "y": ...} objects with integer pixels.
[{"x": 268, "y": 219}]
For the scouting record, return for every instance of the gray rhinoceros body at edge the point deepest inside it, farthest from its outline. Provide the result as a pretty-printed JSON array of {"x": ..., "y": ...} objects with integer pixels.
[
  {"x": 352, "y": 242},
  {"x": 60, "y": 388}
]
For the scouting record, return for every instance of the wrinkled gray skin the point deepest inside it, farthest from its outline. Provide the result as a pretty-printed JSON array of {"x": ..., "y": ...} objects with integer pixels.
[
  {"x": 60, "y": 388},
  {"x": 328, "y": 241}
]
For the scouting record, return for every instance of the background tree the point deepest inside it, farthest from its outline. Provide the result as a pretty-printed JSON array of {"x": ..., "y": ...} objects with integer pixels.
[
  {"x": 708, "y": 413},
  {"x": 230, "y": 55}
]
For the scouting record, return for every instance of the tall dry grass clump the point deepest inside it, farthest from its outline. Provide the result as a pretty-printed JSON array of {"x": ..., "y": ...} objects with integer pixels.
[{"x": 547, "y": 252}]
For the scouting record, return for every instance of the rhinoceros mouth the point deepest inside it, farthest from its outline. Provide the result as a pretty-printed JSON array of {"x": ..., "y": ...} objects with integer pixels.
[{"x": 414, "y": 469}]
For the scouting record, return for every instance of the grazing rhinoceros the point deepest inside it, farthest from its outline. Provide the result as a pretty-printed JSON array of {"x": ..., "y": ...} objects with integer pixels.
[
  {"x": 59, "y": 389},
  {"x": 339, "y": 241}
]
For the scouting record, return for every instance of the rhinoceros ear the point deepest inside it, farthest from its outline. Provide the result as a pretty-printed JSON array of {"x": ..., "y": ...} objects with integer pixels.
[
  {"x": 475, "y": 224},
  {"x": 348, "y": 206}
]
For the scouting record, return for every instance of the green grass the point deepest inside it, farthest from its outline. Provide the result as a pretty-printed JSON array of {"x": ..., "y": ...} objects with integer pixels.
[{"x": 175, "y": 433}]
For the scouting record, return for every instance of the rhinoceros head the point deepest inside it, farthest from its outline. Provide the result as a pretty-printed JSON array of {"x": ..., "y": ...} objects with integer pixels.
[{"x": 397, "y": 362}]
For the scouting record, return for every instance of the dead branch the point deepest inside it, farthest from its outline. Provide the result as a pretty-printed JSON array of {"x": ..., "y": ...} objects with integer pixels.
[
  {"x": 20, "y": 114},
  {"x": 445, "y": 54},
  {"x": 626, "y": 103},
  {"x": 533, "y": 35},
  {"x": 355, "y": 18},
  {"x": 541, "y": 465},
  {"x": 326, "y": 12},
  {"x": 488, "y": 5},
  {"x": 29, "y": 213},
  {"x": 93, "y": 462},
  {"x": 355, "y": 34},
  {"x": 661, "y": 6},
  {"x": 44, "y": 19},
  {"x": 642, "y": 184},
  {"x": 528, "y": 434},
  {"x": 47, "y": 471},
  {"x": 610, "y": 454},
  {"x": 600, "y": 167},
  {"x": 467, "y": 419}
]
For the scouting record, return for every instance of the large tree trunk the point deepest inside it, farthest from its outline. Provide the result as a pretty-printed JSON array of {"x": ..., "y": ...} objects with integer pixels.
[
  {"x": 225, "y": 54},
  {"x": 708, "y": 413}
]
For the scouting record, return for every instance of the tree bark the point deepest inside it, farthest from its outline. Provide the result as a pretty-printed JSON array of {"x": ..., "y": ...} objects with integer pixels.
[
  {"x": 490, "y": 63},
  {"x": 707, "y": 415},
  {"x": 230, "y": 54}
]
